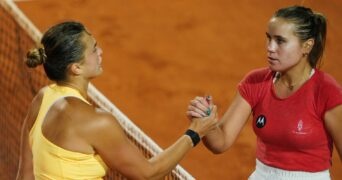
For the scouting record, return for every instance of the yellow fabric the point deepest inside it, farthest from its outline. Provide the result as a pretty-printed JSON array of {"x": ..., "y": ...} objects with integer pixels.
[{"x": 53, "y": 162}]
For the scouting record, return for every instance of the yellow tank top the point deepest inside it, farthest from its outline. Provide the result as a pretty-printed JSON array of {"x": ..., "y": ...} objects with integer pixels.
[{"x": 53, "y": 162}]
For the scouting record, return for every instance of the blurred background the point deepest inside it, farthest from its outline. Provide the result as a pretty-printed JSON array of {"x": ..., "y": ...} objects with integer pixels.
[{"x": 158, "y": 55}]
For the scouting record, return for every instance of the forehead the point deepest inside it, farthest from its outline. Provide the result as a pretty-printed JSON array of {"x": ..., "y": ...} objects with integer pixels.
[
  {"x": 281, "y": 27},
  {"x": 88, "y": 40}
]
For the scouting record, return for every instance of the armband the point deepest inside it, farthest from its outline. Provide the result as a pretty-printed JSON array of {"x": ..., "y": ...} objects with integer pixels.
[{"x": 195, "y": 138}]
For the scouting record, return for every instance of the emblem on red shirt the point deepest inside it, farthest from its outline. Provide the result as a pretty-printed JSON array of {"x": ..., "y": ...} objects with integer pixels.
[
  {"x": 260, "y": 121},
  {"x": 300, "y": 125},
  {"x": 300, "y": 128}
]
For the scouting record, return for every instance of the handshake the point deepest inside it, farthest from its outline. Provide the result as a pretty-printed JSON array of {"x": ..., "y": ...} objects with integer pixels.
[
  {"x": 203, "y": 116},
  {"x": 200, "y": 107}
]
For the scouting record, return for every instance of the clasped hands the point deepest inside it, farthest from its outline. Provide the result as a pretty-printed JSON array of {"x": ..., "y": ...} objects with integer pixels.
[{"x": 202, "y": 109}]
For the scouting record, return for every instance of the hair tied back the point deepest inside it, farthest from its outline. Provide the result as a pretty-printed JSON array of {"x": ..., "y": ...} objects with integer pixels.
[
  {"x": 42, "y": 54},
  {"x": 35, "y": 57}
]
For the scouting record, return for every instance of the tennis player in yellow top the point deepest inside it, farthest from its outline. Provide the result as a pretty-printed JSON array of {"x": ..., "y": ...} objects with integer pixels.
[{"x": 65, "y": 137}]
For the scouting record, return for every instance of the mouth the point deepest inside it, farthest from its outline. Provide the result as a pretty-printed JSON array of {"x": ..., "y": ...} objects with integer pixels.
[{"x": 271, "y": 58}]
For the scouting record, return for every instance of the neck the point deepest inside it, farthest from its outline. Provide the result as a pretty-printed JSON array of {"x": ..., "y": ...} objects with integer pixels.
[
  {"x": 82, "y": 88},
  {"x": 294, "y": 79}
]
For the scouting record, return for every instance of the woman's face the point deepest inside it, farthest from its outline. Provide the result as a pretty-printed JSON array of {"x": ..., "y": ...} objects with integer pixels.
[
  {"x": 92, "y": 57},
  {"x": 284, "y": 48}
]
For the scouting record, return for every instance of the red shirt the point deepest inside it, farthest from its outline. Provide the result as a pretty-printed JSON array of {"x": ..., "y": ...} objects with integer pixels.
[{"x": 290, "y": 131}]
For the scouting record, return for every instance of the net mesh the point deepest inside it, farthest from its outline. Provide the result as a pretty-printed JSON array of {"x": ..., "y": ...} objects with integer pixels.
[{"x": 19, "y": 84}]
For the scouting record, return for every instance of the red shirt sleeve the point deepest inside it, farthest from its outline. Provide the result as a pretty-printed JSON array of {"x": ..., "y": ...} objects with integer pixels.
[
  {"x": 253, "y": 86},
  {"x": 330, "y": 94}
]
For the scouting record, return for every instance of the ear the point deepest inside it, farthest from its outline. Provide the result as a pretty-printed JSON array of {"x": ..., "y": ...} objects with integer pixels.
[
  {"x": 76, "y": 68},
  {"x": 308, "y": 44}
]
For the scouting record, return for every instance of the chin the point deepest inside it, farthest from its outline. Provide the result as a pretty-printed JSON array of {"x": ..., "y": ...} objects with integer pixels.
[
  {"x": 273, "y": 68},
  {"x": 99, "y": 73}
]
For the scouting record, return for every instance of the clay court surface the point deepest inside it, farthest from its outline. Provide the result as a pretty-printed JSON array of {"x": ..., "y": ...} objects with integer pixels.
[{"x": 160, "y": 54}]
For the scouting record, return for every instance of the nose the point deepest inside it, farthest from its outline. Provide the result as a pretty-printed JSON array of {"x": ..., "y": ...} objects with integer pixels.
[{"x": 271, "y": 46}]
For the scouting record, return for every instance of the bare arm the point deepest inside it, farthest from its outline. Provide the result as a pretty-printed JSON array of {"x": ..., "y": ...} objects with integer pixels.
[
  {"x": 25, "y": 169},
  {"x": 333, "y": 122},
  {"x": 120, "y": 154},
  {"x": 230, "y": 125}
]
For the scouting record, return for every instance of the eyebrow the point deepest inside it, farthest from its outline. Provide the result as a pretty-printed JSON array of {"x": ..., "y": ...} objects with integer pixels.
[{"x": 276, "y": 36}]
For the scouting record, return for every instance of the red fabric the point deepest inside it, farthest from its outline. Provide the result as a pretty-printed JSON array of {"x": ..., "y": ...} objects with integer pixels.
[{"x": 290, "y": 132}]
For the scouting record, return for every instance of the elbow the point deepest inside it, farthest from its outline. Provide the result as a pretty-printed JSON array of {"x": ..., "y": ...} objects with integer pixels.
[
  {"x": 214, "y": 151},
  {"x": 138, "y": 176},
  {"x": 218, "y": 148},
  {"x": 151, "y": 177},
  {"x": 150, "y": 174},
  {"x": 143, "y": 178},
  {"x": 149, "y": 171}
]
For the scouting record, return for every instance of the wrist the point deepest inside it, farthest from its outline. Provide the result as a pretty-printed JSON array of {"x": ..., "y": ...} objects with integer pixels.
[{"x": 194, "y": 136}]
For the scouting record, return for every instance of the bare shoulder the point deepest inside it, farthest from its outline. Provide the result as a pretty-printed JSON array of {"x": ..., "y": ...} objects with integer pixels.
[
  {"x": 87, "y": 113},
  {"x": 92, "y": 121}
]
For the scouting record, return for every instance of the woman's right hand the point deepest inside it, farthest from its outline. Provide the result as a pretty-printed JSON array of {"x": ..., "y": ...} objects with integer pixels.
[{"x": 203, "y": 125}]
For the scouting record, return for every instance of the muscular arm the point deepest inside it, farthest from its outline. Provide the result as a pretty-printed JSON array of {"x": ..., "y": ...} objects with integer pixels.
[
  {"x": 120, "y": 154},
  {"x": 230, "y": 126},
  {"x": 333, "y": 122}
]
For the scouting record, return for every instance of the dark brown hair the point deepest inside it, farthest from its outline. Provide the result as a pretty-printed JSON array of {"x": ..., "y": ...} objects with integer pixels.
[
  {"x": 308, "y": 25},
  {"x": 62, "y": 45}
]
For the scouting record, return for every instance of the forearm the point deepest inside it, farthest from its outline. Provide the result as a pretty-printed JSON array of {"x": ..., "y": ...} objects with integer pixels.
[
  {"x": 167, "y": 160},
  {"x": 215, "y": 141},
  {"x": 164, "y": 162}
]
